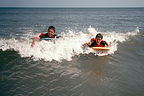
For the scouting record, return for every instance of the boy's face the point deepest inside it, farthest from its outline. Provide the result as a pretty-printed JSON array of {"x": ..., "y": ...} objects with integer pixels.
[
  {"x": 51, "y": 32},
  {"x": 98, "y": 40}
]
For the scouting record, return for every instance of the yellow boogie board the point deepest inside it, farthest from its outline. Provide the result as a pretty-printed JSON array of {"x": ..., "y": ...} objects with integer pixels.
[{"x": 101, "y": 48}]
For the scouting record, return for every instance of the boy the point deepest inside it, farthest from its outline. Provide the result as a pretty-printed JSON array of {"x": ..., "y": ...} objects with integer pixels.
[
  {"x": 98, "y": 42},
  {"x": 50, "y": 34}
]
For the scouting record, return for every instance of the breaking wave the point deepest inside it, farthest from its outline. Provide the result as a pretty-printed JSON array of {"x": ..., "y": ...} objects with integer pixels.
[{"x": 65, "y": 47}]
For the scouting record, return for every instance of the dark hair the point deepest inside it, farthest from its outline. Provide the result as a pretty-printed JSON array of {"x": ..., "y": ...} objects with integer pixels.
[
  {"x": 99, "y": 36},
  {"x": 51, "y": 27}
]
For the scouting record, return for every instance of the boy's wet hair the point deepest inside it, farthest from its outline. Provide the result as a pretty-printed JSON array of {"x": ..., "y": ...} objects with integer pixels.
[
  {"x": 51, "y": 27},
  {"x": 99, "y": 36}
]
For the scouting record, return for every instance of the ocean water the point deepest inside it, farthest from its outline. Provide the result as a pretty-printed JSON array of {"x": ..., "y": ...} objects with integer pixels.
[{"x": 63, "y": 67}]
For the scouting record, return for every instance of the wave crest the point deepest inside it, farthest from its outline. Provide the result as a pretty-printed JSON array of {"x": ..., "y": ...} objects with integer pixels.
[{"x": 69, "y": 45}]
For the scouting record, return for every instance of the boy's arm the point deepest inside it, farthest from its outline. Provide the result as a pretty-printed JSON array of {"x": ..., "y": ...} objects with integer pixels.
[
  {"x": 33, "y": 43},
  {"x": 87, "y": 44}
]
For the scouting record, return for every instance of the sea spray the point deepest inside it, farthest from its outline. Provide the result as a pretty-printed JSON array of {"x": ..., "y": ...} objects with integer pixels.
[{"x": 65, "y": 47}]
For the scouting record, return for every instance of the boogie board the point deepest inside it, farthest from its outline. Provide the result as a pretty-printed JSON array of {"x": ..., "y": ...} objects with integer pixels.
[
  {"x": 101, "y": 48},
  {"x": 47, "y": 38}
]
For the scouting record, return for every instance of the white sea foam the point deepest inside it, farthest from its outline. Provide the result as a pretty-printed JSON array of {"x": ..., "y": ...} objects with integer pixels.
[{"x": 65, "y": 47}]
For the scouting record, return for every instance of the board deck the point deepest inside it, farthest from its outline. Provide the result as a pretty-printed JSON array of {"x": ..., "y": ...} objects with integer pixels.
[
  {"x": 47, "y": 39},
  {"x": 101, "y": 48}
]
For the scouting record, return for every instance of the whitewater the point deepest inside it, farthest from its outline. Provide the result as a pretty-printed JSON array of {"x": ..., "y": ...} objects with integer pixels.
[{"x": 68, "y": 45}]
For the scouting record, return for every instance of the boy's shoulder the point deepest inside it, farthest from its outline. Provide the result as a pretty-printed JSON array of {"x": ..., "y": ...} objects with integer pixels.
[{"x": 93, "y": 39}]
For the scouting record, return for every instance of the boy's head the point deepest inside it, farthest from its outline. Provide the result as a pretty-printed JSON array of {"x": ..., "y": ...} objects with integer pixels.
[
  {"x": 51, "y": 27},
  {"x": 98, "y": 36},
  {"x": 51, "y": 31}
]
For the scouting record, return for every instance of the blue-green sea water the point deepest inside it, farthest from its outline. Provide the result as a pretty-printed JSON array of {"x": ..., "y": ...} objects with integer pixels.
[{"x": 62, "y": 67}]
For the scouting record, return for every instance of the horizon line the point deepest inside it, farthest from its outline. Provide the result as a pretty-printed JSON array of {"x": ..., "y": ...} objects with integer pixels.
[{"x": 70, "y": 7}]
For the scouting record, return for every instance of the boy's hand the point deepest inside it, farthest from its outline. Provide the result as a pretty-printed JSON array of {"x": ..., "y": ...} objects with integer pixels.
[{"x": 32, "y": 45}]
